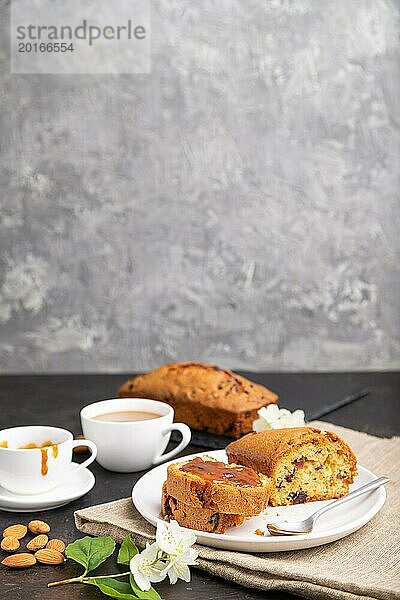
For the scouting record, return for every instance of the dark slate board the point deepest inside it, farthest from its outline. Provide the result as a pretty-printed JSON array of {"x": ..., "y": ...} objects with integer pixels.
[{"x": 210, "y": 441}]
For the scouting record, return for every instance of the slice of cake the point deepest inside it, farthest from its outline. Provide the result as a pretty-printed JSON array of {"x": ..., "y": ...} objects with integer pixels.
[
  {"x": 224, "y": 488},
  {"x": 203, "y": 519},
  {"x": 304, "y": 463},
  {"x": 203, "y": 396}
]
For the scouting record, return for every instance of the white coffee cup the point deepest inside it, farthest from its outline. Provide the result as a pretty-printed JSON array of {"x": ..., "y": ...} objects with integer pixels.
[
  {"x": 38, "y": 470},
  {"x": 130, "y": 446}
]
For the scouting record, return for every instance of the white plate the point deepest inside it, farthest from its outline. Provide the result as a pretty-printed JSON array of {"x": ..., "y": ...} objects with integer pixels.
[
  {"x": 338, "y": 523},
  {"x": 75, "y": 486}
]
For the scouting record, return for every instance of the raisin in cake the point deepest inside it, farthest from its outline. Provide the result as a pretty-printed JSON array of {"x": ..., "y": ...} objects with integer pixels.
[
  {"x": 203, "y": 396},
  {"x": 224, "y": 488},
  {"x": 202, "y": 519},
  {"x": 305, "y": 463}
]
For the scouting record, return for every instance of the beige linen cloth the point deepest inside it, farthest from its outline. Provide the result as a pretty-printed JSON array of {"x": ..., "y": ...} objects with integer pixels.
[{"x": 362, "y": 565}]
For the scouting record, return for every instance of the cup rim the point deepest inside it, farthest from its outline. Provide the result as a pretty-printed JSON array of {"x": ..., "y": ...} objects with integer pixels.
[
  {"x": 92, "y": 418},
  {"x": 69, "y": 438}
]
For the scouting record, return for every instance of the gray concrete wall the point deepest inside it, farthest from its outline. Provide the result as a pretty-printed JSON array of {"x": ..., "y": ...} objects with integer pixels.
[{"x": 239, "y": 205}]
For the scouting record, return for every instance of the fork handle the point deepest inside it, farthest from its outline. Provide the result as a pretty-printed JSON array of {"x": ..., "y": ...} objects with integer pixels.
[{"x": 372, "y": 485}]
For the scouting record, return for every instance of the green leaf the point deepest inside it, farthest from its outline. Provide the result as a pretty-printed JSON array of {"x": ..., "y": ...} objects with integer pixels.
[
  {"x": 90, "y": 552},
  {"x": 127, "y": 551},
  {"x": 151, "y": 594},
  {"x": 113, "y": 587}
]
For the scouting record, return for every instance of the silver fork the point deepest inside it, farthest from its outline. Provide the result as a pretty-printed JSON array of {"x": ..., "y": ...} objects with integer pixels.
[{"x": 306, "y": 526}]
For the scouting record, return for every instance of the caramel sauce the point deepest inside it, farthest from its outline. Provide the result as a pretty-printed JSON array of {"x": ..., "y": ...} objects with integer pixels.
[
  {"x": 46, "y": 443},
  {"x": 44, "y": 468},
  {"x": 44, "y": 447},
  {"x": 31, "y": 446},
  {"x": 220, "y": 472},
  {"x": 4, "y": 444},
  {"x": 28, "y": 447}
]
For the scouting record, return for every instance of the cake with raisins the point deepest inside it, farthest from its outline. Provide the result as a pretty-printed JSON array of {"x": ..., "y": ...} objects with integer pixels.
[
  {"x": 304, "y": 463},
  {"x": 202, "y": 519},
  {"x": 203, "y": 396},
  {"x": 205, "y": 483}
]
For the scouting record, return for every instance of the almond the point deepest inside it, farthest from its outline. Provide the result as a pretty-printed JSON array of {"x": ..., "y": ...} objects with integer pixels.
[
  {"x": 17, "y": 531},
  {"x": 37, "y": 542},
  {"x": 38, "y": 527},
  {"x": 56, "y": 544},
  {"x": 10, "y": 543},
  {"x": 19, "y": 561},
  {"x": 80, "y": 449},
  {"x": 49, "y": 557}
]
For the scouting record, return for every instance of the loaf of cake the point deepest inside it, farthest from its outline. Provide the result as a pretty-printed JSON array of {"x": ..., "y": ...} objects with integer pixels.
[
  {"x": 202, "y": 519},
  {"x": 203, "y": 396},
  {"x": 304, "y": 463},
  {"x": 205, "y": 483}
]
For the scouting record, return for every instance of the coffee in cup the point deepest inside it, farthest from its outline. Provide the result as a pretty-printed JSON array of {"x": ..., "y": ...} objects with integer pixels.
[{"x": 131, "y": 434}]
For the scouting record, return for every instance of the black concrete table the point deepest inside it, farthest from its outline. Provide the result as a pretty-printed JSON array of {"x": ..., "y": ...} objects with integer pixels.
[{"x": 57, "y": 400}]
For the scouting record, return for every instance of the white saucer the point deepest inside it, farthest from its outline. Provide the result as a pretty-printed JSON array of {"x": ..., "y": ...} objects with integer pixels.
[
  {"x": 77, "y": 485},
  {"x": 336, "y": 524}
]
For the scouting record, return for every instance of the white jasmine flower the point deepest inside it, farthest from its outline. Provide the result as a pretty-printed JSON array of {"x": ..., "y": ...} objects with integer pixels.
[
  {"x": 147, "y": 568},
  {"x": 273, "y": 417},
  {"x": 179, "y": 565},
  {"x": 173, "y": 539},
  {"x": 176, "y": 542},
  {"x": 171, "y": 554}
]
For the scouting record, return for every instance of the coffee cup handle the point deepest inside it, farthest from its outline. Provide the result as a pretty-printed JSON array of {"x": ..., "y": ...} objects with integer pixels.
[
  {"x": 186, "y": 437},
  {"x": 93, "y": 453}
]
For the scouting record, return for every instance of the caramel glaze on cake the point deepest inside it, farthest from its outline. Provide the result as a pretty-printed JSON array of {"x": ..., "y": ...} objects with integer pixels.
[
  {"x": 206, "y": 483},
  {"x": 202, "y": 519},
  {"x": 203, "y": 396},
  {"x": 304, "y": 463},
  {"x": 219, "y": 472}
]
